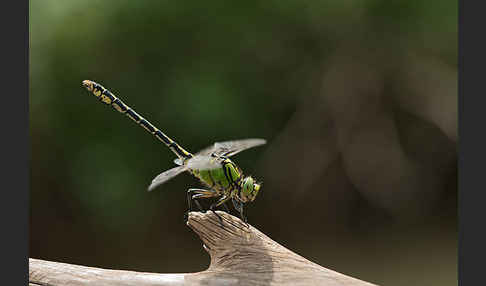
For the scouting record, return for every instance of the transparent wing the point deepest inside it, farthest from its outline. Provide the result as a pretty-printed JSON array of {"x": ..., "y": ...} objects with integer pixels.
[
  {"x": 165, "y": 176},
  {"x": 203, "y": 162},
  {"x": 230, "y": 148}
]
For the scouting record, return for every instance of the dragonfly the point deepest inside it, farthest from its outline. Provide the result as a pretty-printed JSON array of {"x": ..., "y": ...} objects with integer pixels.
[{"x": 223, "y": 179}]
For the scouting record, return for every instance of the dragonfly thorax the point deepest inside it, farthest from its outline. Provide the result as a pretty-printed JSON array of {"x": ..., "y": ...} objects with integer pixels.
[
  {"x": 223, "y": 179},
  {"x": 229, "y": 180}
]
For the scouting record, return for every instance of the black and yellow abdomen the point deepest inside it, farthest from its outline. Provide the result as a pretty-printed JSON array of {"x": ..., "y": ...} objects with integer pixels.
[{"x": 105, "y": 96}]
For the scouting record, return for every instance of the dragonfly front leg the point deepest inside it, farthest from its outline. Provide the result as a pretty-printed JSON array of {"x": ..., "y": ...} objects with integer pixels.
[
  {"x": 221, "y": 201},
  {"x": 239, "y": 207}
]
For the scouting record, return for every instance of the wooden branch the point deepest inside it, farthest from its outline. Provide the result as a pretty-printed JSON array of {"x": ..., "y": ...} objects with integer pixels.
[{"x": 240, "y": 255}]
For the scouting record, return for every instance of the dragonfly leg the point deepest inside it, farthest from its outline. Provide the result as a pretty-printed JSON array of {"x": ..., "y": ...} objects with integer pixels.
[
  {"x": 245, "y": 220},
  {"x": 239, "y": 207},
  {"x": 194, "y": 198},
  {"x": 221, "y": 201},
  {"x": 194, "y": 194},
  {"x": 189, "y": 200}
]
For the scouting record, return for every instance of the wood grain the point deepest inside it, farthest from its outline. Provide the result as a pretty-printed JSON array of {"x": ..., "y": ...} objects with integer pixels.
[{"x": 240, "y": 255}]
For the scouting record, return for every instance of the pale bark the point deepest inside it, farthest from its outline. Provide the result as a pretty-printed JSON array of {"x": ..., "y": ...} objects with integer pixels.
[{"x": 240, "y": 255}]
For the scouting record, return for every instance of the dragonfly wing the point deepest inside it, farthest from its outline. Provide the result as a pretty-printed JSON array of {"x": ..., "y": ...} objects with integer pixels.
[
  {"x": 203, "y": 162},
  {"x": 207, "y": 151},
  {"x": 230, "y": 148},
  {"x": 165, "y": 176},
  {"x": 178, "y": 161}
]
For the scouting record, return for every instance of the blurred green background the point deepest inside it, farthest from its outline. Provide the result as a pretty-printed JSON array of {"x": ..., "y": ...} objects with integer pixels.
[{"x": 357, "y": 99}]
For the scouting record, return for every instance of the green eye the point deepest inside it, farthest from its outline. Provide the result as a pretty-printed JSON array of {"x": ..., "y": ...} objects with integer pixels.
[{"x": 248, "y": 186}]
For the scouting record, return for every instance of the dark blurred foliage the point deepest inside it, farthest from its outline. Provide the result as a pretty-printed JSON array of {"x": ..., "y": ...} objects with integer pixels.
[{"x": 356, "y": 98}]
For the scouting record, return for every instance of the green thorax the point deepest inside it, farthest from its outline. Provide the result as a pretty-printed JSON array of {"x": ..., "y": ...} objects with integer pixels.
[{"x": 221, "y": 179}]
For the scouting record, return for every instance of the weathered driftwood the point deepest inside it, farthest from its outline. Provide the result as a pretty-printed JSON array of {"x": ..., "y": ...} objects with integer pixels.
[{"x": 240, "y": 255}]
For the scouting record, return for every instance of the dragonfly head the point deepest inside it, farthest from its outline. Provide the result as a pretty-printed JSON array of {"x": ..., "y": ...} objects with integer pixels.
[
  {"x": 249, "y": 189},
  {"x": 89, "y": 85}
]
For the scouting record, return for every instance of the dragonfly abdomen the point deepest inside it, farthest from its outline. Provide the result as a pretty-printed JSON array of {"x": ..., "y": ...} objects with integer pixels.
[{"x": 105, "y": 96}]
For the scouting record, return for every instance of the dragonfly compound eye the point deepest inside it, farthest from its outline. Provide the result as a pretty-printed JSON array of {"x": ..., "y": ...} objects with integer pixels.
[{"x": 247, "y": 188}]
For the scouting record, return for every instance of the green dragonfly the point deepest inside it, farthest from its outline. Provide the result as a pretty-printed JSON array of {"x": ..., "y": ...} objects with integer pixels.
[{"x": 222, "y": 177}]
